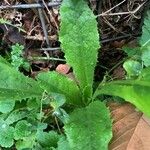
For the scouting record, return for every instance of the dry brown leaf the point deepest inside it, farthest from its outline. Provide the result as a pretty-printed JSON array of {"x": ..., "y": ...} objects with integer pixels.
[{"x": 131, "y": 129}]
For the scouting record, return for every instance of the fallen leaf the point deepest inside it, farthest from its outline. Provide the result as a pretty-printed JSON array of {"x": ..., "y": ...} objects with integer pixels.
[{"x": 131, "y": 129}]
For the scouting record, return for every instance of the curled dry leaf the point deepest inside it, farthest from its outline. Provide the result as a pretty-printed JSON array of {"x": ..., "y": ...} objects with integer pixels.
[
  {"x": 63, "y": 68},
  {"x": 131, "y": 129}
]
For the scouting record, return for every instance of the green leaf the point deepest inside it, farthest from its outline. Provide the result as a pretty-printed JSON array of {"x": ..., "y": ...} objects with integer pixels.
[
  {"x": 26, "y": 65},
  {"x": 27, "y": 143},
  {"x": 6, "y": 134},
  {"x": 22, "y": 129},
  {"x": 145, "y": 74},
  {"x": 133, "y": 91},
  {"x": 132, "y": 51},
  {"x": 89, "y": 128},
  {"x": 16, "y": 115},
  {"x": 57, "y": 83},
  {"x": 80, "y": 41},
  {"x": 61, "y": 114},
  {"x": 132, "y": 67},
  {"x": 14, "y": 85},
  {"x": 63, "y": 144},
  {"x": 146, "y": 56},
  {"x": 16, "y": 56},
  {"x": 57, "y": 101},
  {"x": 33, "y": 104},
  {"x": 6, "y": 106},
  {"x": 145, "y": 38},
  {"x": 41, "y": 126},
  {"x": 47, "y": 139}
]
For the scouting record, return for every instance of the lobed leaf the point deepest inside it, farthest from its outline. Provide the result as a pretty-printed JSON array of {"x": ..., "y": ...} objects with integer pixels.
[
  {"x": 89, "y": 128},
  {"x": 6, "y": 134},
  {"x": 22, "y": 129},
  {"x": 80, "y": 41},
  {"x": 63, "y": 144},
  {"x": 16, "y": 115},
  {"x": 33, "y": 104},
  {"x": 47, "y": 139},
  {"x": 132, "y": 67},
  {"x": 26, "y": 143},
  {"x": 16, "y": 56}
]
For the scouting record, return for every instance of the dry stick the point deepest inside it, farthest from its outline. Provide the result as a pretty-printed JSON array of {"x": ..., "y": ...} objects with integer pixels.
[
  {"x": 44, "y": 26},
  {"x": 40, "y": 38},
  {"x": 50, "y": 13},
  {"x": 110, "y": 25},
  {"x": 122, "y": 13},
  {"x": 27, "y": 6},
  {"x": 45, "y": 58},
  {"x": 114, "y": 7},
  {"x": 57, "y": 125},
  {"x": 107, "y": 22},
  {"x": 32, "y": 28},
  {"x": 103, "y": 41},
  {"x": 40, "y": 11},
  {"x": 6, "y": 2},
  {"x": 49, "y": 49}
]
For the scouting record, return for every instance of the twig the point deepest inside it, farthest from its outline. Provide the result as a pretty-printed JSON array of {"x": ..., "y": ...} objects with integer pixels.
[
  {"x": 103, "y": 41},
  {"x": 110, "y": 25},
  {"x": 32, "y": 29},
  {"x": 49, "y": 49},
  {"x": 114, "y": 7},
  {"x": 27, "y": 6},
  {"x": 51, "y": 16},
  {"x": 57, "y": 125},
  {"x": 122, "y": 13},
  {"x": 6, "y": 2},
  {"x": 45, "y": 58},
  {"x": 40, "y": 11},
  {"x": 40, "y": 38}
]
